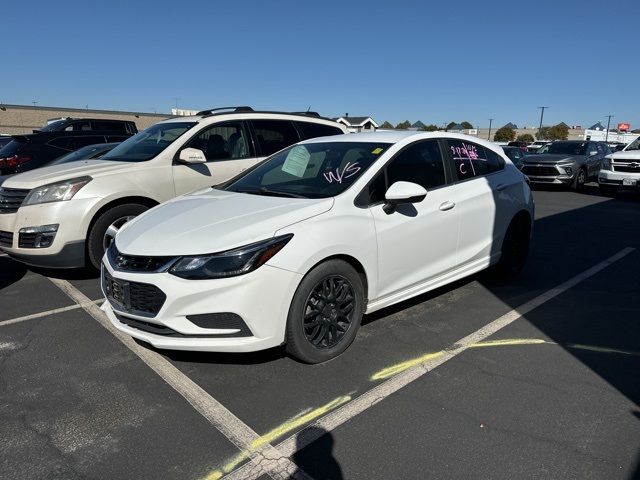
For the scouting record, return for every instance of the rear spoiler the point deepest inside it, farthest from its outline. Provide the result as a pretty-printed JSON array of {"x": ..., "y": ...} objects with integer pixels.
[{"x": 21, "y": 138}]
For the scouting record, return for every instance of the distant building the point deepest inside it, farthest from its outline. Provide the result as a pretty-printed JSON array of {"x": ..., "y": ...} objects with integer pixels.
[
  {"x": 358, "y": 124},
  {"x": 597, "y": 127},
  {"x": 183, "y": 112}
]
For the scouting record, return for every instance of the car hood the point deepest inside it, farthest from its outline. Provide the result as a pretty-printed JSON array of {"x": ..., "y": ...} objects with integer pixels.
[
  {"x": 550, "y": 158},
  {"x": 626, "y": 155},
  {"x": 212, "y": 221},
  {"x": 65, "y": 171}
]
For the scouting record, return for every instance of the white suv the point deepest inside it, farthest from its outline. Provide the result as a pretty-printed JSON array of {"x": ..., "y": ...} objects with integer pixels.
[
  {"x": 64, "y": 216},
  {"x": 621, "y": 170}
]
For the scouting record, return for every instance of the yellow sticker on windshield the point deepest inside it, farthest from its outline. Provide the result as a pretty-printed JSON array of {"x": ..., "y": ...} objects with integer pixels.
[{"x": 377, "y": 151}]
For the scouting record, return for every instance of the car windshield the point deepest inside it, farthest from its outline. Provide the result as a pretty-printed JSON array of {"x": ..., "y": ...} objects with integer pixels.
[
  {"x": 88, "y": 152},
  {"x": 11, "y": 148},
  {"x": 312, "y": 170},
  {"x": 565, "y": 148},
  {"x": 149, "y": 143},
  {"x": 635, "y": 145}
]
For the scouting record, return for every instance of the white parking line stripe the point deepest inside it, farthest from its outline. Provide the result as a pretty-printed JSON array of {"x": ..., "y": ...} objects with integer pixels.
[
  {"x": 46, "y": 313},
  {"x": 236, "y": 431},
  {"x": 3, "y": 255},
  {"x": 331, "y": 421}
]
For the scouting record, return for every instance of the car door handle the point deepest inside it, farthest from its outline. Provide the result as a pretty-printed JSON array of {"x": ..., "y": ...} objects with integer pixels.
[
  {"x": 447, "y": 206},
  {"x": 501, "y": 187}
]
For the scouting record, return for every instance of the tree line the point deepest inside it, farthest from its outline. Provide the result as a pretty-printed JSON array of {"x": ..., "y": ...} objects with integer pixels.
[{"x": 425, "y": 128}]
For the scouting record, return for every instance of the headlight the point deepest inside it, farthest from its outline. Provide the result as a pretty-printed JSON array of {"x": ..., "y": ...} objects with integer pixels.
[
  {"x": 567, "y": 168},
  {"x": 230, "y": 263},
  {"x": 56, "y": 192},
  {"x": 606, "y": 164}
]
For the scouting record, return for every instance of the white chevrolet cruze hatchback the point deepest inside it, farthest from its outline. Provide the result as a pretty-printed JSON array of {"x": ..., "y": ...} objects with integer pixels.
[{"x": 295, "y": 250}]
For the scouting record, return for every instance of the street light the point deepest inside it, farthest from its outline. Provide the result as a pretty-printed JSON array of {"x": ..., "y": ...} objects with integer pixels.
[
  {"x": 541, "y": 116},
  {"x": 490, "y": 123}
]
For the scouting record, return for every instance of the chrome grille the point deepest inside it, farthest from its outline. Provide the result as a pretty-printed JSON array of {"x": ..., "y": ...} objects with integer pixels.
[{"x": 11, "y": 199}]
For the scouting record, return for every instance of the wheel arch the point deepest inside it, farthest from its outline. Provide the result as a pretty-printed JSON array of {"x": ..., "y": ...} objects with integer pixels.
[
  {"x": 357, "y": 266},
  {"x": 146, "y": 201}
]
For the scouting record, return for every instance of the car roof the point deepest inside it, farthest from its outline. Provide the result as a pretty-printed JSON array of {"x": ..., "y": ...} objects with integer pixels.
[{"x": 249, "y": 114}]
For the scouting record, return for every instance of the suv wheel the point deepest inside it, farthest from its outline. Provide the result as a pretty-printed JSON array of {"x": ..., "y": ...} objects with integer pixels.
[
  {"x": 580, "y": 180},
  {"x": 325, "y": 313},
  {"x": 106, "y": 226}
]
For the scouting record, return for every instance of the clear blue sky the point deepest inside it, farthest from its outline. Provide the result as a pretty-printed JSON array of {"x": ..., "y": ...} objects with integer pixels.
[{"x": 431, "y": 61}]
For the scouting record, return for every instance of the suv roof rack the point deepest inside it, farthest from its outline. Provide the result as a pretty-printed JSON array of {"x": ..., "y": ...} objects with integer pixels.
[{"x": 243, "y": 108}]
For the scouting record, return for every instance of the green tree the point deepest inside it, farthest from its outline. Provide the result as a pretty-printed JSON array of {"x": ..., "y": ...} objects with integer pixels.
[
  {"x": 429, "y": 128},
  {"x": 504, "y": 134},
  {"x": 386, "y": 125},
  {"x": 450, "y": 125},
  {"x": 403, "y": 125},
  {"x": 525, "y": 137},
  {"x": 559, "y": 132},
  {"x": 466, "y": 125}
]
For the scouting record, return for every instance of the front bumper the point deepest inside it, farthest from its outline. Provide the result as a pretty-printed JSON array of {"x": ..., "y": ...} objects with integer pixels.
[
  {"x": 68, "y": 247},
  {"x": 261, "y": 299},
  {"x": 616, "y": 179},
  {"x": 548, "y": 174}
]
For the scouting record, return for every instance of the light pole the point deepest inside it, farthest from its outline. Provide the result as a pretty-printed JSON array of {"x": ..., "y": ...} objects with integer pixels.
[
  {"x": 606, "y": 137},
  {"x": 489, "y": 134},
  {"x": 541, "y": 117}
]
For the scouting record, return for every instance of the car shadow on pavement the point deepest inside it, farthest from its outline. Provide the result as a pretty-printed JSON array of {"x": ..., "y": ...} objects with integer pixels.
[
  {"x": 10, "y": 272},
  {"x": 68, "y": 273},
  {"x": 316, "y": 459}
]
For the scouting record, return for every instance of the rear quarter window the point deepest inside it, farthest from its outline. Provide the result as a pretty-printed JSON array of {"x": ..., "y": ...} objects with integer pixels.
[
  {"x": 313, "y": 130},
  {"x": 472, "y": 160}
]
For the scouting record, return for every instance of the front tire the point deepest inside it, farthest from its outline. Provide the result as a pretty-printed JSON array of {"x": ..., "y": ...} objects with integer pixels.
[
  {"x": 111, "y": 221},
  {"x": 580, "y": 180},
  {"x": 325, "y": 312}
]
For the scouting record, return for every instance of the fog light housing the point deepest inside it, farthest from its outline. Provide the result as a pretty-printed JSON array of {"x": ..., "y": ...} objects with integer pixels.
[
  {"x": 37, "y": 237},
  {"x": 567, "y": 170}
]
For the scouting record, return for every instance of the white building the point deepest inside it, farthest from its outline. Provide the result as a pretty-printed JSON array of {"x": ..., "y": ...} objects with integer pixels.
[{"x": 358, "y": 124}]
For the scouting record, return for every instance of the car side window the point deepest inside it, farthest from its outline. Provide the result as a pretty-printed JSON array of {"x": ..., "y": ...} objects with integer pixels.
[
  {"x": 81, "y": 126},
  {"x": 471, "y": 160},
  {"x": 274, "y": 135},
  {"x": 313, "y": 130},
  {"x": 227, "y": 141},
  {"x": 110, "y": 126},
  {"x": 419, "y": 163}
]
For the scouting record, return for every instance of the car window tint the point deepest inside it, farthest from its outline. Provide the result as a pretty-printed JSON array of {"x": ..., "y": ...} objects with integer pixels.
[
  {"x": 110, "y": 126},
  {"x": 494, "y": 162},
  {"x": 61, "y": 142},
  {"x": 227, "y": 141},
  {"x": 81, "y": 126},
  {"x": 274, "y": 135},
  {"x": 471, "y": 160},
  {"x": 420, "y": 163},
  {"x": 313, "y": 130}
]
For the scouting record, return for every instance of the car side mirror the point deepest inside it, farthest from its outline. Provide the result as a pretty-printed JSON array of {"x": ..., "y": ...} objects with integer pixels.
[
  {"x": 192, "y": 155},
  {"x": 403, "y": 192}
]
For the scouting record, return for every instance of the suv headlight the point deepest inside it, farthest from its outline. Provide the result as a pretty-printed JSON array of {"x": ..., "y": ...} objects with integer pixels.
[
  {"x": 230, "y": 263},
  {"x": 56, "y": 192},
  {"x": 606, "y": 164}
]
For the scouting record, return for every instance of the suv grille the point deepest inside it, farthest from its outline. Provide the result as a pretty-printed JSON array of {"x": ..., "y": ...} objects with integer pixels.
[
  {"x": 132, "y": 263},
  {"x": 11, "y": 199},
  {"x": 632, "y": 167},
  {"x": 6, "y": 239},
  {"x": 542, "y": 171},
  {"x": 136, "y": 298}
]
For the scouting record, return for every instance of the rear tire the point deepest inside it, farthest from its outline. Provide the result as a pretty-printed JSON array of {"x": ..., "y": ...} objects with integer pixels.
[
  {"x": 325, "y": 312},
  {"x": 115, "y": 215},
  {"x": 515, "y": 247}
]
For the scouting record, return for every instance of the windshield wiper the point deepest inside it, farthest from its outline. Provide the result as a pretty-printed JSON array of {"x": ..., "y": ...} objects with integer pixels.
[{"x": 267, "y": 192}]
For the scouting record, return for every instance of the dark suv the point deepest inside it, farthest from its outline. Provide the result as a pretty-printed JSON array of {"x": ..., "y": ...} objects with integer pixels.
[{"x": 26, "y": 152}]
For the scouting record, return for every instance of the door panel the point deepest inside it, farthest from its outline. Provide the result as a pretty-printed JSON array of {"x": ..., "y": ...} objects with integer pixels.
[{"x": 417, "y": 242}]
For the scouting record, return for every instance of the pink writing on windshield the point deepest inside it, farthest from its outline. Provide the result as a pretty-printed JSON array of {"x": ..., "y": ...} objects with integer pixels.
[{"x": 349, "y": 170}]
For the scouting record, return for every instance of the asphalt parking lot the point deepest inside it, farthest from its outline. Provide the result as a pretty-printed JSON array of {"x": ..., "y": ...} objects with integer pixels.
[{"x": 534, "y": 378}]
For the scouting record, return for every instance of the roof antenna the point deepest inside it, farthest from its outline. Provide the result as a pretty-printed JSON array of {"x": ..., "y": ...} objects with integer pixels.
[{"x": 309, "y": 108}]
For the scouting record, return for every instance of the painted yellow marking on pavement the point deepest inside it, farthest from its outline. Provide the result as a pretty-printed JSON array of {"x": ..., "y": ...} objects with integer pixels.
[
  {"x": 594, "y": 348},
  {"x": 401, "y": 367},
  {"x": 276, "y": 433},
  {"x": 508, "y": 342}
]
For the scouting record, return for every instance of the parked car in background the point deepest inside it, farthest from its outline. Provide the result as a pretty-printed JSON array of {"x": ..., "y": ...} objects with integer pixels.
[
  {"x": 90, "y": 152},
  {"x": 570, "y": 163},
  {"x": 315, "y": 236},
  {"x": 621, "y": 170},
  {"x": 537, "y": 145},
  {"x": 521, "y": 145},
  {"x": 63, "y": 216},
  {"x": 26, "y": 152},
  {"x": 4, "y": 139},
  {"x": 516, "y": 155}
]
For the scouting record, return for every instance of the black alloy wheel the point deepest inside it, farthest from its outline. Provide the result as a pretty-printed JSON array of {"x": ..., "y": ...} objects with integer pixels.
[{"x": 328, "y": 312}]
